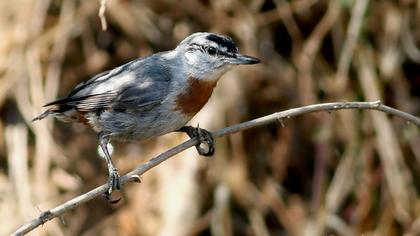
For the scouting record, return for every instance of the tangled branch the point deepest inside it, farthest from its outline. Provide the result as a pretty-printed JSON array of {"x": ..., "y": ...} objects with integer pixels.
[{"x": 141, "y": 169}]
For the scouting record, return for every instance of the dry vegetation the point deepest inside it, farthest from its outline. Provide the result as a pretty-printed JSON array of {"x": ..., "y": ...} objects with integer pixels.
[{"x": 339, "y": 173}]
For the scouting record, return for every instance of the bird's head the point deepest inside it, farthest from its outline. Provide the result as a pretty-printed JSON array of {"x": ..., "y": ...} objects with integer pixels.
[{"x": 209, "y": 55}]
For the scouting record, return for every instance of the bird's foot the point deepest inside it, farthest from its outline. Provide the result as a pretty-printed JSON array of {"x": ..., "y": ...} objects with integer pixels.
[
  {"x": 114, "y": 183},
  {"x": 203, "y": 136}
]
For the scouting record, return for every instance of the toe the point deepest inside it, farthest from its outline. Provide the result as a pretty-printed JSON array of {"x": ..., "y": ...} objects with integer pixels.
[
  {"x": 110, "y": 200},
  {"x": 203, "y": 136},
  {"x": 207, "y": 138},
  {"x": 116, "y": 184}
]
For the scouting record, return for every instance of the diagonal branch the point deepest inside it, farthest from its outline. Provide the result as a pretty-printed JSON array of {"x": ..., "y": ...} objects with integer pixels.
[{"x": 141, "y": 169}]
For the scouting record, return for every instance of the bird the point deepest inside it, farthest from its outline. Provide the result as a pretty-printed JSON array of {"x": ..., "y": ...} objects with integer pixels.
[{"x": 151, "y": 96}]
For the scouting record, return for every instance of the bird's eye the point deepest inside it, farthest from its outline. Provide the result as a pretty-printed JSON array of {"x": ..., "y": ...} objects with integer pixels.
[{"x": 211, "y": 50}]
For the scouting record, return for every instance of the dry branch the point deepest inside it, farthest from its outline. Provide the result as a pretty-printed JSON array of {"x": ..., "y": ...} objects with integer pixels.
[
  {"x": 101, "y": 15},
  {"x": 275, "y": 117}
]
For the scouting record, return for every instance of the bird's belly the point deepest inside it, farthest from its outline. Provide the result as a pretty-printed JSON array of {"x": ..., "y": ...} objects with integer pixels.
[{"x": 141, "y": 125}]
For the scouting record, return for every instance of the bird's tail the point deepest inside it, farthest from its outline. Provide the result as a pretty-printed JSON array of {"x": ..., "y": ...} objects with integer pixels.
[{"x": 44, "y": 114}]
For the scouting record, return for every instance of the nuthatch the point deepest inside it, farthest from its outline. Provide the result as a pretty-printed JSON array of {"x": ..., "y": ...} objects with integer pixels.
[{"x": 151, "y": 96}]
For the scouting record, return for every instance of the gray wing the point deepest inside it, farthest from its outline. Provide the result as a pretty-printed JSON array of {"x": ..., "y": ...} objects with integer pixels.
[
  {"x": 137, "y": 98},
  {"x": 137, "y": 85}
]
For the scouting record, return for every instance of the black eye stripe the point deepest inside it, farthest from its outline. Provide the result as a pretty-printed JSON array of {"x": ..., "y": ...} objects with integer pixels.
[
  {"x": 205, "y": 49},
  {"x": 223, "y": 41}
]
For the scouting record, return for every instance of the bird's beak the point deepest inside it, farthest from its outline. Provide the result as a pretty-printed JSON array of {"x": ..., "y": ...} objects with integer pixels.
[{"x": 240, "y": 59}]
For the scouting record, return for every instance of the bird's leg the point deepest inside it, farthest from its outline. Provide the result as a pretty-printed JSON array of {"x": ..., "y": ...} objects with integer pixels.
[
  {"x": 203, "y": 136},
  {"x": 114, "y": 177}
]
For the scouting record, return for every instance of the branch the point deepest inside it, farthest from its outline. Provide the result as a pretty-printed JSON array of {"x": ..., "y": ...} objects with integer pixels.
[
  {"x": 101, "y": 14},
  {"x": 141, "y": 169}
]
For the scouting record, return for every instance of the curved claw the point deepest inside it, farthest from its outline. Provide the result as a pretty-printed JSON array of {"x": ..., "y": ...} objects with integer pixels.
[
  {"x": 114, "y": 180},
  {"x": 203, "y": 136},
  {"x": 114, "y": 183},
  {"x": 135, "y": 178},
  {"x": 207, "y": 138},
  {"x": 110, "y": 200}
]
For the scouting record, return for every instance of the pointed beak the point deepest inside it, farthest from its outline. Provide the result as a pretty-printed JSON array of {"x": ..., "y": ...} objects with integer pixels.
[{"x": 240, "y": 59}]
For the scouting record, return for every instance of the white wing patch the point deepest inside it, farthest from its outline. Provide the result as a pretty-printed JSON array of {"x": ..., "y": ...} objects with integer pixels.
[{"x": 113, "y": 84}]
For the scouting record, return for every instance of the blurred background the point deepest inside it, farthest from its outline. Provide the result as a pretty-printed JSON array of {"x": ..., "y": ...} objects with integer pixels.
[{"x": 327, "y": 173}]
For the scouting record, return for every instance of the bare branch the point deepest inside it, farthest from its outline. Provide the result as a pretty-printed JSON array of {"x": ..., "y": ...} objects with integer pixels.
[
  {"x": 101, "y": 14},
  {"x": 275, "y": 117}
]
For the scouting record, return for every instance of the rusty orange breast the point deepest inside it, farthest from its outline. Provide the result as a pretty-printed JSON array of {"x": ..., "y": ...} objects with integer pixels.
[{"x": 195, "y": 96}]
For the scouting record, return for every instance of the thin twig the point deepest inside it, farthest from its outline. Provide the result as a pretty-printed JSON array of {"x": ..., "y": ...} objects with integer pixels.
[
  {"x": 275, "y": 117},
  {"x": 349, "y": 45},
  {"x": 407, "y": 38},
  {"x": 101, "y": 14}
]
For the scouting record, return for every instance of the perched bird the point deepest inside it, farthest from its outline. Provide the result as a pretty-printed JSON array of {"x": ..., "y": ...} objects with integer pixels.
[{"x": 151, "y": 96}]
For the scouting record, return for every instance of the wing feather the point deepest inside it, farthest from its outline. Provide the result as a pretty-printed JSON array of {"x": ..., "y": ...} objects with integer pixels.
[{"x": 136, "y": 86}]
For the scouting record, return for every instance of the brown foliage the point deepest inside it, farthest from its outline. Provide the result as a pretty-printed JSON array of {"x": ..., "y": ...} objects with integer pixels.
[{"x": 344, "y": 173}]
